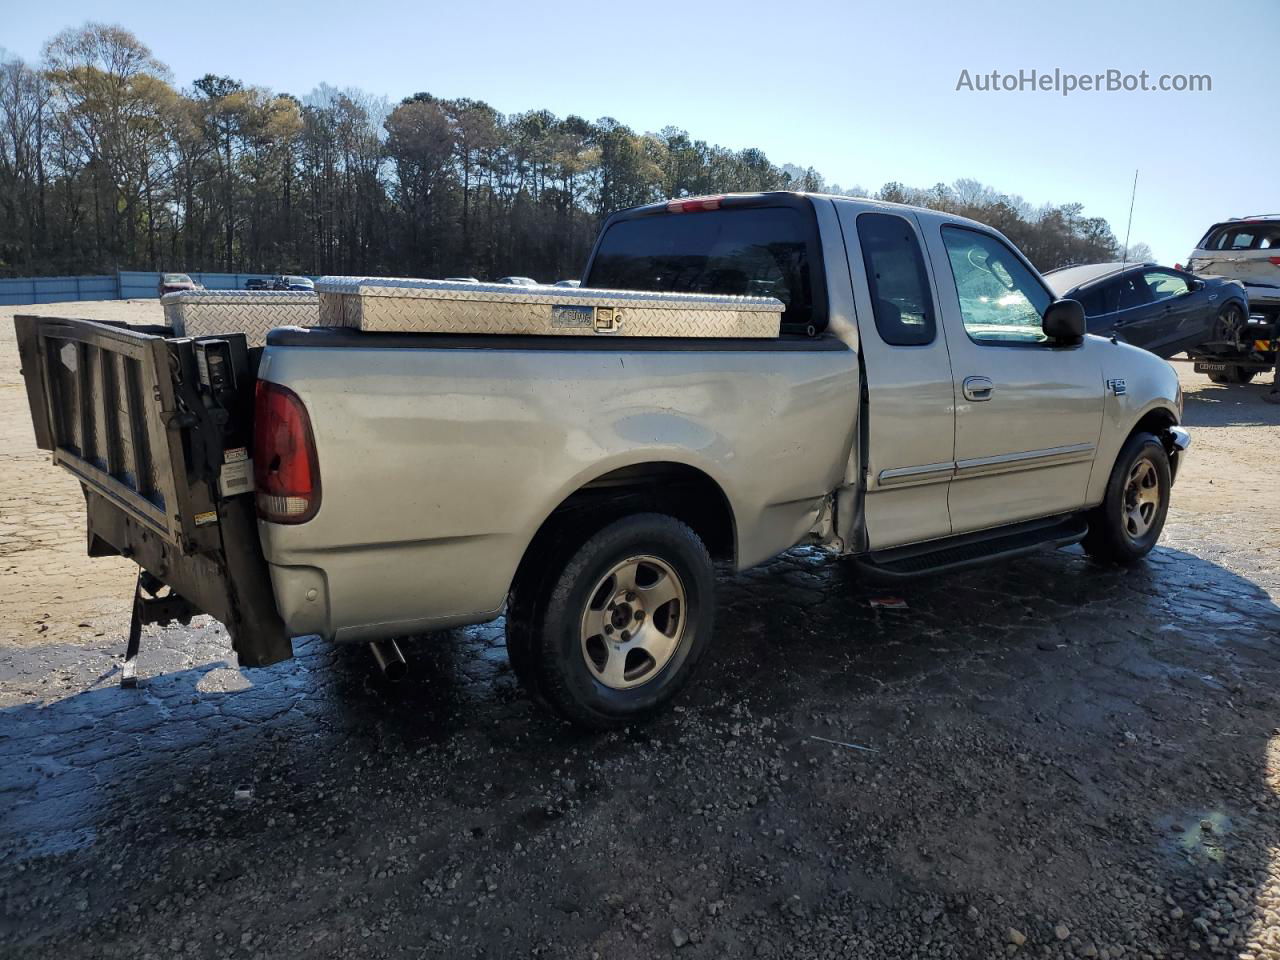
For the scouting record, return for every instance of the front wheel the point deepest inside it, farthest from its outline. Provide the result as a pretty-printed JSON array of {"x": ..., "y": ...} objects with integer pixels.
[
  {"x": 1127, "y": 524},
  {"x": 1229, "y": 326},
  {"x": 614, "y": 634}
]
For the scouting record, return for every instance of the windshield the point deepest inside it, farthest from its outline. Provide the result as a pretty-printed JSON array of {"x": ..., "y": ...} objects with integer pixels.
[
  {"x": 747, "y": 251},
  {"x": 176, "y": 278}
]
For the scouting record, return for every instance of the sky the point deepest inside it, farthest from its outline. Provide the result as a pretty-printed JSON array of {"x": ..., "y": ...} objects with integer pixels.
[{"x": 864, "y": 92}]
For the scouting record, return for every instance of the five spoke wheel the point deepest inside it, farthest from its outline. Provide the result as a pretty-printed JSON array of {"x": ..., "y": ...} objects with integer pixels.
[
  {"x": 633, "y": 622},
  {"x": 1141, "y": 498}
]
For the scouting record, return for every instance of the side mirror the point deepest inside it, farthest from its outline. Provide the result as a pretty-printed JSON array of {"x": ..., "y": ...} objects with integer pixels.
[
  {"x": 1194, "y": 285},
  {"x": 1064, "y": 321}
]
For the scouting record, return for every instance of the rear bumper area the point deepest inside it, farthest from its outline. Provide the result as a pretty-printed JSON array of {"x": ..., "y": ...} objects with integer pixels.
[
  {"x": 231, "y": 587},
  {"x": 302, "y": 595},
  {"x": 358, "y": 592}
]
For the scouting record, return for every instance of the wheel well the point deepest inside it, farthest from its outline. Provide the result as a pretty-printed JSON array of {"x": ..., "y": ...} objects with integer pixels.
[
  {"x": 1155, "y": 421},
  {"x": 676, "y": 489}
]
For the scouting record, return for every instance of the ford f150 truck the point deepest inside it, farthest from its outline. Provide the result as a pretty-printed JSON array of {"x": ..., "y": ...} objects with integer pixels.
[{"x": 927, "y": 404}]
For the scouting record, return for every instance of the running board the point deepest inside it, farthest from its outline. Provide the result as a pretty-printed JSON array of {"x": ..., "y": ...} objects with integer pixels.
[{"x": 969, "y": 549}]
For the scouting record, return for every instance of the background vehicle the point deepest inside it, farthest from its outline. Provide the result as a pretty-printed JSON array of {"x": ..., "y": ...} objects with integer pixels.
[
  {"x": 519, "y": 281},
  {"x": 293, "y": 283},
  {"x": 1160, "y": 309},
  {"x": 173, "y": 282},
  {"x": 1247, "y": 250},
  {"x": 926, "y": 404},
  {"x": 257, "y": 283},
  {"x": 568, "y": 283}
]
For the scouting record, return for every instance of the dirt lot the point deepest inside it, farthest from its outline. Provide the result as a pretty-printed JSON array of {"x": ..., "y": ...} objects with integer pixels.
[{"x": 1050, "y": 758}]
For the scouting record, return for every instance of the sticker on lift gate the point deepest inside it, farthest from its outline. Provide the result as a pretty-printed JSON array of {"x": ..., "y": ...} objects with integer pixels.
[
  {"x": 206, "y": 518},
  {"x": 236, "y": 475}
]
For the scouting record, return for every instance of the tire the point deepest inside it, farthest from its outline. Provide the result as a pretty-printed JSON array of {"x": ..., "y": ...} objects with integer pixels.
[
  {"x": 1232, "y": 376},
  {"x": 648, "y": 570},
  {"x": 1229, "y": 325},
  {"x": 1127, "y": 524}
]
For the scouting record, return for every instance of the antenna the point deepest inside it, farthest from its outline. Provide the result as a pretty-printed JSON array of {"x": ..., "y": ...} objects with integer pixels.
[{"x": 1132, "y": 197}]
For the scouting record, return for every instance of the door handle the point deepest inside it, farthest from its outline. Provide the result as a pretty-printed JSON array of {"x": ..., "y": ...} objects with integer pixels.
[{"x": 978, "y": 388}]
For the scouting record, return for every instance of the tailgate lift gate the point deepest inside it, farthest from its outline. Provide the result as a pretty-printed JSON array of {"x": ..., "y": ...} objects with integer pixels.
[{"x": 138, "y": 419}]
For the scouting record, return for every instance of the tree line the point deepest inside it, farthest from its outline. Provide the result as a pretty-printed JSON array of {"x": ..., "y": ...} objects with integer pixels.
[{"x": 105, "y": 164}]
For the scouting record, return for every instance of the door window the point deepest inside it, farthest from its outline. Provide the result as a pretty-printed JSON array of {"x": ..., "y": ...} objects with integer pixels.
[
  {"x": 1164, "y": 285},
  {"x": 1133, "y": 292},
  {"x": 900, "y": 297},
  {"x": 1001, "y": 301},
  {"x": 1094, "y": 300}
]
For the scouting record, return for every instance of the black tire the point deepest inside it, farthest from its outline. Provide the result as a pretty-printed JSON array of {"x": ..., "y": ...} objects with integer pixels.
[
  {"x": 1229, "y": 325},
  {"x": 1115, "y": 534},
  {"x": 1232, "y": 376},
  {"x": 546, "y": 640}
]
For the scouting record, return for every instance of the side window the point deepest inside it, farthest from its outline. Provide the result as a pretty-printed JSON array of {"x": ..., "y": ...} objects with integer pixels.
[
  {"x": 1000, "y": 300},
  {"x": 900, "y": 295},
  {"x": 1164, "y": 285},
  {"x": 1093, "y": 300},
  {"x": 1133, "y": 292}
]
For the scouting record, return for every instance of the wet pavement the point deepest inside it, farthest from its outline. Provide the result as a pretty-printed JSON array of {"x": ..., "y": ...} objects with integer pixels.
[{"x": 1050, "y": 757}]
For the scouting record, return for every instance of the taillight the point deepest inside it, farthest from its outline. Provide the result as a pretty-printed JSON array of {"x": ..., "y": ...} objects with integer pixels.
[
  {"x": 285, "y": 471},
  {"x": 694, "y": 204},
  {"x": 1275, "y": 260}
]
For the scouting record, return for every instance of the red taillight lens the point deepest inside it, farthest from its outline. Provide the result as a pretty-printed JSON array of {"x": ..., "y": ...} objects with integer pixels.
[
  {"x": 694, "y": 204},
  {"x": 285, "y": 471},
  {"x": 1275, "y": 260}
]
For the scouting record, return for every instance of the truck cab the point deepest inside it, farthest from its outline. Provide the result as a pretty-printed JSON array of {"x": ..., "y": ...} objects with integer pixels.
[{"x": 978, "y": 412}]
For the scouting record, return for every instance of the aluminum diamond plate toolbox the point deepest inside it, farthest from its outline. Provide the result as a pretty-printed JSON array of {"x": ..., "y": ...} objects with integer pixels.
[
  {"x": 444, "y": 306},
  {"x": 202, "y": 313}
]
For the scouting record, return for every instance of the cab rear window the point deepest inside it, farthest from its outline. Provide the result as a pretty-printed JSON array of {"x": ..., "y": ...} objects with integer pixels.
[{"x": 747, "y": 251}]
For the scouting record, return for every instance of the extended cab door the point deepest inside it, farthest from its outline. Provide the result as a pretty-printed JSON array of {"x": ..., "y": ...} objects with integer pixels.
[
  {"x": 910, "y": 420},
  {"x": 1028, "y": 411}
]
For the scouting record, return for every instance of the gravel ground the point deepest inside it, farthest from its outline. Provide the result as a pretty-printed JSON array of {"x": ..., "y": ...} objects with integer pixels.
[{"x": 1047, "y": 758}]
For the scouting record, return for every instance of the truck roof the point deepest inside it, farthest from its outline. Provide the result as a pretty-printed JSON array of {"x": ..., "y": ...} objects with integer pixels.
[{"x": 689, "y": 204}]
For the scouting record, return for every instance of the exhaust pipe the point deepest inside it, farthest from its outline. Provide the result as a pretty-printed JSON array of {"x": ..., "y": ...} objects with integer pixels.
[{"x": 386, "y": 653}]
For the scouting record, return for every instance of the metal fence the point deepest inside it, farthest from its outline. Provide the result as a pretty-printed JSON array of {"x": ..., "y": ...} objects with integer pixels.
[
  {"x": 25, "y": 290},
  {"x": 123, "y": 285}
]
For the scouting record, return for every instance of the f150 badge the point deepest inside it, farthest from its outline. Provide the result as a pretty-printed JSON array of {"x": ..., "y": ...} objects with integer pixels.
[{"x": 1117, "y": 387}]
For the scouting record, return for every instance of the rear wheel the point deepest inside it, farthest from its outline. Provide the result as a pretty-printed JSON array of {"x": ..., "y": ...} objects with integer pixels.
[
  {"x": 1233, "y": 375},
  {"x": 611, "y": 634},
  {"x": 1127, "y": 524}
]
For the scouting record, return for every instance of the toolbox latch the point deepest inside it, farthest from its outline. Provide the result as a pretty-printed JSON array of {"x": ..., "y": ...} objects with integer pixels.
[{"x": 608, "y": 319}]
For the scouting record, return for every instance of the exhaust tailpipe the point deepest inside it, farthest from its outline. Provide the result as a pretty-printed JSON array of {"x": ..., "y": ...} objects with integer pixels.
[{"x": 389, "y": 659}]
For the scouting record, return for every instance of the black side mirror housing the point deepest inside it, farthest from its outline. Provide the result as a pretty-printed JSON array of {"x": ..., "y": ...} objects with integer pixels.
[{"x": 1064, "y": 321}]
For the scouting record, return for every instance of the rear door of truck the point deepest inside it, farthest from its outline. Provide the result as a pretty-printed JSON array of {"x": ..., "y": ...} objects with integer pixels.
[{"x": 158, "y": 432}]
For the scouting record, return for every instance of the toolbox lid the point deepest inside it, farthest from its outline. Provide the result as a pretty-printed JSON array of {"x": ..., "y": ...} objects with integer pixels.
[{"x": 403, "y": 288}]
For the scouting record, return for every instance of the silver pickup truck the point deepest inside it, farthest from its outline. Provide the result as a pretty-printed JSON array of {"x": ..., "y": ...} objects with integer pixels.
[{"x": 927, "y": 404}]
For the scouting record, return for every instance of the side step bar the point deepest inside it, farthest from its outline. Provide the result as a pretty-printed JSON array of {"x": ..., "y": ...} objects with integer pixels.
[{"x": 968, "y": 549}]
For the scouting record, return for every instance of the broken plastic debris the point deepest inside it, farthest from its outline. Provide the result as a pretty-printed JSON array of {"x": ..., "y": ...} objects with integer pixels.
[{"x": 842, "y": 743}]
